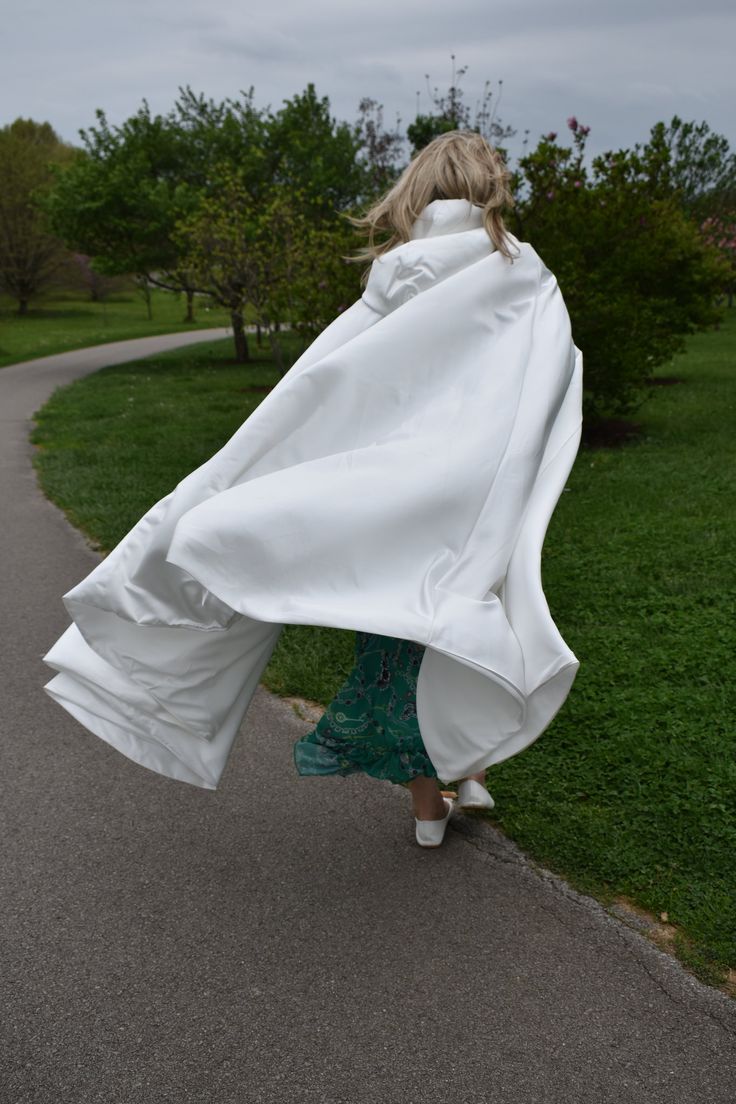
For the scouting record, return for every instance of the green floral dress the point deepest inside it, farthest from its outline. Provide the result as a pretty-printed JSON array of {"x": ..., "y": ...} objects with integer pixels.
[{"x": 371, "y": 723}]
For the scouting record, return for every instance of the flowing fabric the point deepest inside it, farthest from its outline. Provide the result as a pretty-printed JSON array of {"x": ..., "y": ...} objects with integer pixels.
[{"x": 398, "y": 480}]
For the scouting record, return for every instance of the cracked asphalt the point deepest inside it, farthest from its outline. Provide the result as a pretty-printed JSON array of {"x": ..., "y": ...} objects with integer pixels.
[{"x": 284, "y": 939}]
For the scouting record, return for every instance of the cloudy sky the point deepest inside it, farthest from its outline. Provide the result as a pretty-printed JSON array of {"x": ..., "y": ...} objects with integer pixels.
[{"x": 618, "y": 65}]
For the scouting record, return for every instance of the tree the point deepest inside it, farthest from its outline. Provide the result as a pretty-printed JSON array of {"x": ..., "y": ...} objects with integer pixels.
[
  {"x": 266, "y": 256},
  {"x": 689, "y": 162},
  {"x": 217, "y": 242},
  {"x": 119, "y": 202},
  {"x": 232, "y": 132},
  {"x": 122, "y": 201},
  {"x": 310, "y": 152},
  {"x": 686, "y": 159},
  {"x": 30, "y": 254},
  {"x": 635, "y": 270}
]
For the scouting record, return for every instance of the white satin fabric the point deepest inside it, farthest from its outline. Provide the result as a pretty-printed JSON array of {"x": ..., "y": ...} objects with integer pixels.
[{"x": 398, "y": 480}]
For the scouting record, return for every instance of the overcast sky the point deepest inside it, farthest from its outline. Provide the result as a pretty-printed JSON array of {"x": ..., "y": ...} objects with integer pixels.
[{"x": 618, "y": 65}]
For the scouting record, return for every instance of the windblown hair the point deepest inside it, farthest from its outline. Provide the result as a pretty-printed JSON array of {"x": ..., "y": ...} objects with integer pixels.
[{"x": 459, "y": 164}]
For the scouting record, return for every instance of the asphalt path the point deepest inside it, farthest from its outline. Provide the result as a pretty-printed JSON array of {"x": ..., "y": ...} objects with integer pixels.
[{"x": 284, "y": 939}]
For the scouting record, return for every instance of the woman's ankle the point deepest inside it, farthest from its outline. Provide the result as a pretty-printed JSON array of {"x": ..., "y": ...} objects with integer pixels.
[{"x": 427, "y": 800}]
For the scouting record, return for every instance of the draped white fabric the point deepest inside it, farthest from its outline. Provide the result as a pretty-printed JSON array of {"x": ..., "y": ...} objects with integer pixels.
[{"x": 399, "y": 480}]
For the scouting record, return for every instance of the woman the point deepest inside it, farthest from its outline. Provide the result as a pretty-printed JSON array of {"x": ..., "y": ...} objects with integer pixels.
[{"x": 398, "y": 481}]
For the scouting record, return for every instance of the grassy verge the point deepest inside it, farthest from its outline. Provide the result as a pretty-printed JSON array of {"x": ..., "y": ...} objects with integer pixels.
[
  {"x": 67, "y": 320},
  {"x": 630, "y": 792}
]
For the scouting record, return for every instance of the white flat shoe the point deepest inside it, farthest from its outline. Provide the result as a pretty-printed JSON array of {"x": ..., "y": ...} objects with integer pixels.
[
  {"x": 430, "y": 833},
  {"x": 471, "y": 795}
]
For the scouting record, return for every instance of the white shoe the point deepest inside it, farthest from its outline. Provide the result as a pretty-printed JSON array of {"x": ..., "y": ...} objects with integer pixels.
[
  {"x": 471, "y": 795},
  {"x": 430, "y": 833}
]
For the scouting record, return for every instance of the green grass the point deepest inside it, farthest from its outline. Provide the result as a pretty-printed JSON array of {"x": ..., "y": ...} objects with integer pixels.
[
  {"x": 630, "y": 792},
  {"x": 70, "y": 320}
]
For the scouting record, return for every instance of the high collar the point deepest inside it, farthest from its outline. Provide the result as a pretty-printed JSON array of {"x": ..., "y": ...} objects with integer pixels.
[
  {"x": 447, "y": 237},
  {"x": 447, "y": 216}
]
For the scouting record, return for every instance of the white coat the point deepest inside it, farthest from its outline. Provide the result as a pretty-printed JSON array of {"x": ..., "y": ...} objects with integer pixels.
[{"x": 398, "y": 480}]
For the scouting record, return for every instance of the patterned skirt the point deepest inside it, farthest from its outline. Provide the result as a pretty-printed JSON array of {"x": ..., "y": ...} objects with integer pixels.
[{"x": 371, "y": 723}]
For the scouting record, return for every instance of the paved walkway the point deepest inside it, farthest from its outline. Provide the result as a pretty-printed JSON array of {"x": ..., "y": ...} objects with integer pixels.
[{"x": 283, "y": 939}]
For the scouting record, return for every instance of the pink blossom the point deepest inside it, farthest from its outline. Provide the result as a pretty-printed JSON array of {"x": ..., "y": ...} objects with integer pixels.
[
  {"x": 551, "y": 136},
  {"x": 550, "y": 195},
  {"x": 577, "y": 183},
  {"x": 584, "y": 130},
  {"x": 572, "y": 123}
]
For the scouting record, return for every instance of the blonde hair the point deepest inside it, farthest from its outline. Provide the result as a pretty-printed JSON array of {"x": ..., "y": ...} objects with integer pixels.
[{"x": 459, "y": 164}]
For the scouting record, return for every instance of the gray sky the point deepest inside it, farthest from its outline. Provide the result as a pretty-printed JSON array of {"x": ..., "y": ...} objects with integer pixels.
[{"x": 618, "y": 65}]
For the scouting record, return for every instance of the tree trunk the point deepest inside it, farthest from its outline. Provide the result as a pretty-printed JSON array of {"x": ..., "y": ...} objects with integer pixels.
[
  {"x": 145, "y": 290},
  {"x": 22, "y": 306},
  {"x": 242, "y": 352},
  {"x": 189, "y": 317},
  {"x": 278, "y": 353}
]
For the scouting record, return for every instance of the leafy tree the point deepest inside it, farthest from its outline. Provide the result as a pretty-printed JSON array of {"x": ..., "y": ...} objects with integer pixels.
[
  {"x": 310, "y": 152},
  {"x": 119, "y": 202},
  {"x": 218, "y": 242},
  {"x": 689, "y": 160},
  {"x": 264, "y": 229},
  {"x": 324, "y": 283},
  {"x": 30, "y": 254},
  {"x": 232, "y": 132},
  {"x": 635, "y": 270},
  {"x": 268, "y": 256}
]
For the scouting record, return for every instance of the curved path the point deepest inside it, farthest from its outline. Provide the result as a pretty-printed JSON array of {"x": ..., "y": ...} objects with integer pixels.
[{"x": 283, "y": 939}]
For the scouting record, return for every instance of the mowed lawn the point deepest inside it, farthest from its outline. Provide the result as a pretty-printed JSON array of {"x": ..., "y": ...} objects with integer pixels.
[
  {"x": 70, "y": 320},
  {"x": 631, "y": 791}
]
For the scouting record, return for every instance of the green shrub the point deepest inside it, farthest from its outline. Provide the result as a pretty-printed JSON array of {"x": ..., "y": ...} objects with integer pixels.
[{"x": 636, "y": 271}]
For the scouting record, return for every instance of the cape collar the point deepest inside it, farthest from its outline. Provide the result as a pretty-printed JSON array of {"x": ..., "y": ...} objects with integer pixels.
[
  {"x": 447, "y": 216},
  {"x": 447, "y": 237}
]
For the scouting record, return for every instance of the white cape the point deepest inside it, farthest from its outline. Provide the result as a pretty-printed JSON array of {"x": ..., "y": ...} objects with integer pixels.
[{"x": 398, "y": 480}]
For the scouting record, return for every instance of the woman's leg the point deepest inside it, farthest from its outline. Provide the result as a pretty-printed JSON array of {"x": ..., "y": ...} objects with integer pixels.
[{"x": 427, "y": 799}]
